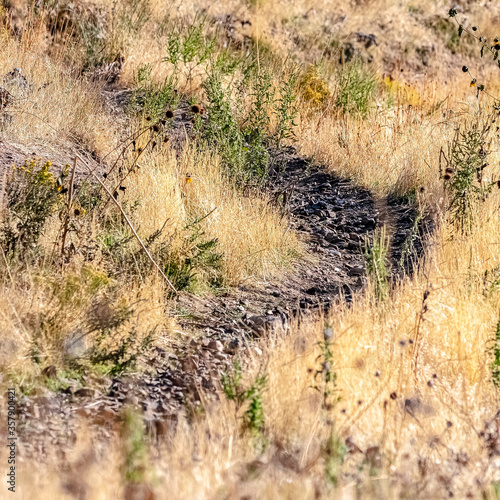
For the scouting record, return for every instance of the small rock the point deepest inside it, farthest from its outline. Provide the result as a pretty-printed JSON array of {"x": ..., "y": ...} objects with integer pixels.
[
  {"x": 233, "y": 346},
  {"x": 356, "y": 270},
  {"x": 215, "y": 345},
  {"x": 87, "y": 392},
  {"x": 50, "y": 371}
]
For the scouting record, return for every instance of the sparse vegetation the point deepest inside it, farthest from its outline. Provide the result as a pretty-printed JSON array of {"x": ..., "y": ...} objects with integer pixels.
[{"x": 136, "y": 146}]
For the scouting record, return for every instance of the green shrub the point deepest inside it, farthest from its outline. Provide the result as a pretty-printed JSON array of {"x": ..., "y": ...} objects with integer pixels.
[
  {"x": 495, "y": 351},
  {"x": 465, "y": 162},
  {"x": 33, "y": 195},
  {"x": 151, "y": 98},
  {"x": 356, "y": 86},
  {"x": 251, "y": 398}
]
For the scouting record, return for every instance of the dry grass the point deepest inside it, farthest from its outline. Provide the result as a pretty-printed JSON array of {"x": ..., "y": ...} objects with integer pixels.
[
  {"x": 412, "y": 372},
  {"x": 252, "y": 236},
  {"x": 59, "y": 110}
]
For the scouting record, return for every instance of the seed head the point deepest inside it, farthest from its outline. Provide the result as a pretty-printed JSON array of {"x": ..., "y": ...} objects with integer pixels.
[
  {"x": 447, "y": 177},
  {"x": 156, "y": 128},
  {"x": 148, "y": 118},
  {"x": 394, "y": 395},
  {"x": 465, "y": 69},
  {"x": 195, "y": 109},
  {"x": 169, "y": 114},
  {"x": 474, "y": 28},
  {"x": 449, "y": 170}
]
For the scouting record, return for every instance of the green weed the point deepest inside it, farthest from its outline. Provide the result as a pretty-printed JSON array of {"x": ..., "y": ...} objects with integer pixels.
[
  {"x": 151, "y": 98},
  {"x": 134, "y": 447},
  {"x": 33, "y": 195},
  {"x": 325, "y": 377},
  {"x": 377, "y": 268},
  {"x": 463, "y": 172},
  {"x": 253, "y": 417},
  {"x": 495, "y": 351},
  {"x": 356, "y": 86}
]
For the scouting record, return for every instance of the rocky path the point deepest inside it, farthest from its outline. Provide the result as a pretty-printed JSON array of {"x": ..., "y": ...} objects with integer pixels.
[{"x": 332, "y": 217}]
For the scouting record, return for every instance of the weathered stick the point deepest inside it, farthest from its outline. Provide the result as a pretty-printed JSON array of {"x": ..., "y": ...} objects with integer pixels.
[
  {"x": 70, "y": 200},
  {"x": 115, "y": 201}
]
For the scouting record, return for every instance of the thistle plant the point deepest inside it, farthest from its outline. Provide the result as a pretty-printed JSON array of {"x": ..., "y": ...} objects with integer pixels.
[{"x": 463, "y": 175}]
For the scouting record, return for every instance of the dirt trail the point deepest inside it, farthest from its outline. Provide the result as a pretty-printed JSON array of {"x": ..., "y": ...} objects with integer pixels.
[{"x": 332, "y": 216}]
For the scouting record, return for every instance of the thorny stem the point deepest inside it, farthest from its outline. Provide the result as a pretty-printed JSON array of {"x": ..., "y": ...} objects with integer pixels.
[{"x": 115, "y": 201}]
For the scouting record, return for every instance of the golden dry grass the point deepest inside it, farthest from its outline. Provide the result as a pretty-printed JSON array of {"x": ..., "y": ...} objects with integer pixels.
[{"x": 414, "y": 384}]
